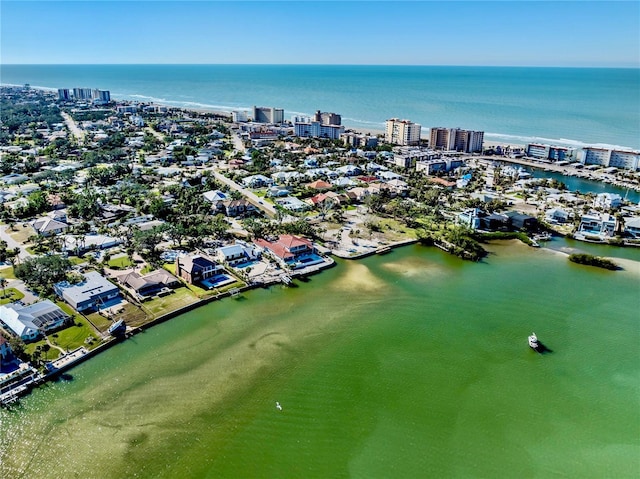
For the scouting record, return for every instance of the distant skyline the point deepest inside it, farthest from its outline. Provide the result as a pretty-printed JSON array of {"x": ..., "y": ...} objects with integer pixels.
[{"x": 475, "y": 33}]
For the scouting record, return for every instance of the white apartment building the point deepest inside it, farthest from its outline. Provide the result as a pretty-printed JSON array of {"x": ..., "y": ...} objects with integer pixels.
[
  {"x": 239, "y": 116},
  {"x": 402, "y": 132},
  {"x": 628, "y": 160},
  {"x": 549, "y": 152}
]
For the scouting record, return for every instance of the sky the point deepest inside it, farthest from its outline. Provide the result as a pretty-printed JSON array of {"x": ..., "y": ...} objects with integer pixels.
[{"x": 510, "y": 33}]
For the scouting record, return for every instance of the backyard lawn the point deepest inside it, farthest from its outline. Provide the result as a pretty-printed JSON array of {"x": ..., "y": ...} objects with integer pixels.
[
  {"x": 121, "y": 262},
  {"x": 180, "y": 298}
]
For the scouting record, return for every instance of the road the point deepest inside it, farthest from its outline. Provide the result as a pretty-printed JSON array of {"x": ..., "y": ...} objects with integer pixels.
[
  {"x": 75, "y": 130},
  {"x": 237, "y": 141},
  {"x": 249, "y": 195}
]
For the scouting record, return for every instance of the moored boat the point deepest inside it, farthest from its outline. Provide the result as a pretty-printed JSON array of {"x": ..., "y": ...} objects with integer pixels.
[
  {"x": 117, "y": 328},
  {"x": 533, "y": 341}
]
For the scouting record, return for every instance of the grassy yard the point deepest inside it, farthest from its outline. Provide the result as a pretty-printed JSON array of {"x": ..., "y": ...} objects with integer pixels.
[
  {"x": 178, "y": 299},
  {"x": 10, "y": 295},
  {"x": 395, "y": 230},
  {"x": 121, "y": 262},
  {"x": 20, "y": 233},
  {"x": 75, "y": 335},
  {"x": 7, "y": 273},
  {"x": 75, "y": 260}
]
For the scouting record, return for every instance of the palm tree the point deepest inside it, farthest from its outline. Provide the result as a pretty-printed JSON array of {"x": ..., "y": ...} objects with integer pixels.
[{"x": 3, "y": 285}]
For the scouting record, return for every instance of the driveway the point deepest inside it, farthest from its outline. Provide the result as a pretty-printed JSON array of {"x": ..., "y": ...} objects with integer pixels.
[{"x": 29, "y": 297}]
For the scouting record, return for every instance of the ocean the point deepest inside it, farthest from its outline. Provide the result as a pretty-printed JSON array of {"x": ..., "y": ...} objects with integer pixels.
[
  {"x": 408, "y": 365},
  {"x": 563, "y": 106}
]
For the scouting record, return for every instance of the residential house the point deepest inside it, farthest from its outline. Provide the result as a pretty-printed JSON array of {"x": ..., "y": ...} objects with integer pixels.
[
  {"x": 470, "y": 218},
  {"x": 48, "y": 226},
  {"x": 607, "y": 201},
  {"x": 256, "y": 181},
  {"x": 278, "y": 191},
  {"x": 519, "y": 221},
  {"x": 237, "y": 253},
  {"x": 196, "y": 268},
  {"x": 343, "y": 182},
  {"x": 632, "y": 227},
  {"x": 290, "y": 250},
  {"x": 241, "y": 207},
  {"x": 216, "y": 198},
  {"x": 597, "y": 224},
  {"x": 6, "y": 354},
  {"x": 349, "y": 170},
  {"x": 292, "y": 203},
  {"x": 319, "y": 185},
  {"x": 150, "y": 284},
  {"x": 93, "y": 292},
  {"x": 556, "y": 216},
  {"x": 29, "y": 322}
]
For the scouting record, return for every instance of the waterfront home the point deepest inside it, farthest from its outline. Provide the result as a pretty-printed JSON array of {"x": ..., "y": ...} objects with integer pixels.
[
  {"x": 291, "y": 251},
  {"x": 93, "y": 292},
  {"x": 29, "y": 322},
  {"x": 556, "y": 216},
  {"x": 196, "y": 268},
  {"x": 519, "y": 221},
  {"x": 470, "y": 218},
  {"x": 237, "y": 253},
  {"x": 150, "y": 284},
  {"x": 607, "y": 201},
  {"x": 6, "y": 354},
  {"x": 597, "y": 225},
  {"x": 632, "y": 227}
]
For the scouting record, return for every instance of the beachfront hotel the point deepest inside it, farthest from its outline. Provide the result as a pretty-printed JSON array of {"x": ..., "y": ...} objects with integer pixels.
[
  {"x": 628, "y": 160},
  {"x": 264, "y": 114},
  {"x": 456, "y": 139},
  {"x": 323, "y": 125},
  {"x": 402, "y": 132}
]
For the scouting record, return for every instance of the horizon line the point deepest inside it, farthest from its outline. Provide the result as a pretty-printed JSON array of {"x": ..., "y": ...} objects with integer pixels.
[{"x": 630, "y": 67}]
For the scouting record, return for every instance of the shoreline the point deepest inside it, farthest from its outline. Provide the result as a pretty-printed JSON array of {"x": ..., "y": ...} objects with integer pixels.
[{"x": 508, "y": 141}]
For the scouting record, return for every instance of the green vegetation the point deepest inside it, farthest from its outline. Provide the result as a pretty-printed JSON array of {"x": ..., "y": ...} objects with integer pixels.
[
  {"x": 503, "y": 235},
  {"x": 120, "y": 262},
  {"x": 9, "y": 295},
  {"x": 583, "y": 258},
  {"x": 42, "y": 272}
]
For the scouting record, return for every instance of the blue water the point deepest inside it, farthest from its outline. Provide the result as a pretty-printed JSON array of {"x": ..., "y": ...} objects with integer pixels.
[{"x": 568, "y": 106}]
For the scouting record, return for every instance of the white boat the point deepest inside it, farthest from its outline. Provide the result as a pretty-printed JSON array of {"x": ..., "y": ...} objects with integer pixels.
[
  {"x": 278, "y": 406},
  {"x": 118, "y": 327},
  {"x": 533, "y": 341}
]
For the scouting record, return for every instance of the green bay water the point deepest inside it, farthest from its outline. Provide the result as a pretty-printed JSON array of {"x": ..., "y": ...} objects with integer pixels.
[{"x": 411, "y": 364}]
